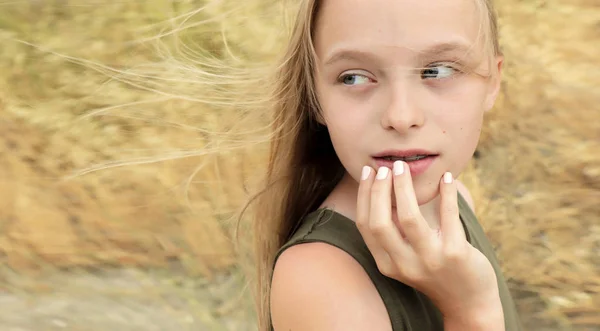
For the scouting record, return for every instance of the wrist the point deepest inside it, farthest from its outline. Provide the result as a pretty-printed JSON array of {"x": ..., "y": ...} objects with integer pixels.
[{"x": 488, "y": 316}]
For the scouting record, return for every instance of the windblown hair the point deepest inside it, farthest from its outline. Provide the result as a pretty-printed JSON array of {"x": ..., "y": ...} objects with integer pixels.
[{"x": 303, "y": 167}]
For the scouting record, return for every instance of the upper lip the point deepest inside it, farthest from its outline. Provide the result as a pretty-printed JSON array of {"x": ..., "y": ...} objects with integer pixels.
[{"x": 404, "y": 153}]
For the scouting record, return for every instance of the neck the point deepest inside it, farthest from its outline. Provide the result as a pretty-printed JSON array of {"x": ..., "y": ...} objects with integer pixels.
[{"x": 343, "y": 200}]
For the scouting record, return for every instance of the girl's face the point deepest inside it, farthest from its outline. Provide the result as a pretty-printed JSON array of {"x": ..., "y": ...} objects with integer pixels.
[{"x": 395, "y": 78}]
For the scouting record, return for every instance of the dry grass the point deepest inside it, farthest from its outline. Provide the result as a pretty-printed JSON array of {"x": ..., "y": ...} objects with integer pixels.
[{"x": 76, "y": 92}]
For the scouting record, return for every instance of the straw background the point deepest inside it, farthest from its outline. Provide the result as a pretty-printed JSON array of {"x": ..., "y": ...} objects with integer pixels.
[{"x": 83, "y": 85}]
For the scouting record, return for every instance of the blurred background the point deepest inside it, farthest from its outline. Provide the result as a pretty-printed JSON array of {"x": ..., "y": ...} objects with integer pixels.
[{"x": 123, "y": 161}]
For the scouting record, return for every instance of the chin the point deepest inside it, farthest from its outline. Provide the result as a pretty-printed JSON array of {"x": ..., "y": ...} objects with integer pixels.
[{"x": 426, "y": 193}]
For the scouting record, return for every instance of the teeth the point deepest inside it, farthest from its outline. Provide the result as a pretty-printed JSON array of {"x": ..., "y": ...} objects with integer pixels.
[{"x": 406, "y": 159}]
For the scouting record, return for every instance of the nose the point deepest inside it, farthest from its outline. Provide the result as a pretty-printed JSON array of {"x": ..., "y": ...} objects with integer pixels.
[{"x": 403, "y": 112}]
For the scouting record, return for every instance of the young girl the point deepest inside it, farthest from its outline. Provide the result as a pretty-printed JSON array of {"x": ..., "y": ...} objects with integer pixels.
[{"x": 362, "y": 226}]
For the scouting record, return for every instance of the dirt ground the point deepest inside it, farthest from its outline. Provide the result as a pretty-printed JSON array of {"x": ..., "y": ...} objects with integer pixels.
[
  {"x": 124, "y": 300},
  {"x": 136, "y": 300}
]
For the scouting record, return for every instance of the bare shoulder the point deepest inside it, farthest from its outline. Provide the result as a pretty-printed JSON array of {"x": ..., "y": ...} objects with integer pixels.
[
  {"x": 464, "y": 191},
  {"x": 317, "y": 286}
]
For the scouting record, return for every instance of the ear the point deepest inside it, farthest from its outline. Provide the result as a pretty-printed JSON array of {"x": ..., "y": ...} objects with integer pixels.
[{"x": 494, "y": 83}]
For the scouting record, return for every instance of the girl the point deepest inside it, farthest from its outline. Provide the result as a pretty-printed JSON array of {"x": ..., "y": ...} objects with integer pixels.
[{"x": 362, "y": 226}]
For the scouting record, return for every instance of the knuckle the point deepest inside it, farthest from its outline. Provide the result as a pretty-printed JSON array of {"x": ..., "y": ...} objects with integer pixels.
[
  {"x": 362, "y": 224},
  {"x": 363, "y": 229},
  {"x": 385, "y": 268},
  {"x": 411, "y": 274},
  {"x": 378, "y": 227},
  {"x": 404, "y": 214},
  {"x": 453, "y": 254},
  {"x": 408, "y": 223},
  {"x": 361, "y": 221},
  {"x": 451, "y": 210},
  {"x": 434, "y": 265}
]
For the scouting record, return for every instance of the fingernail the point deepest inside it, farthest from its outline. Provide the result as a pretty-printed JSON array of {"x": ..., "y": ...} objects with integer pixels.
[
  {"x": 365, "y": 172},
  {"x": 448, "y": 178},
  {"x": 383, "y": 172},
  {"x": 398, "y": 168}
]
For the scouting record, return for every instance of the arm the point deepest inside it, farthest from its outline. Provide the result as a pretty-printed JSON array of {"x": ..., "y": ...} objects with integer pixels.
[{"x": 319, "y": 287}]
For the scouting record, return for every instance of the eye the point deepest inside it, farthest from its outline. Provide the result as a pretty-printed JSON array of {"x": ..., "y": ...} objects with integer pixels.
[
  {"x": 440, "y": 71},
  {"x": 354, "y": 79}
]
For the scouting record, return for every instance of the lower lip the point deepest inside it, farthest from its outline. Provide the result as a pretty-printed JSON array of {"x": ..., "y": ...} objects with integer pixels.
[{"x": 416, "y": 167}]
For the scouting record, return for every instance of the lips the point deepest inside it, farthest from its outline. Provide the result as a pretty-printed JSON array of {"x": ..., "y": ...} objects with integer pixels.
[
  {"x": 418, "y": 160},
  {"x": 405, "y": 158},
  {"x": 404, "y": 155}
]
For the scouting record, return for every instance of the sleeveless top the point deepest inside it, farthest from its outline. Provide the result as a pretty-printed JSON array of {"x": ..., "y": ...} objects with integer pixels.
[{"x": 408, "y": 309}]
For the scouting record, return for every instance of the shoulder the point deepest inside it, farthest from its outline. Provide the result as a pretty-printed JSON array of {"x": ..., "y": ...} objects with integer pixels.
[
  {"x": 316, "y": 286},
  {"x": 464, "y": 191}
]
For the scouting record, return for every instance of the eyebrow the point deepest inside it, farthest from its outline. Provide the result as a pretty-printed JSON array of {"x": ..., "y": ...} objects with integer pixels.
[
  {"x": 431, "y": 51},
  {"x": 347, "y": 55},
  {"x": 448, "y": 47}
]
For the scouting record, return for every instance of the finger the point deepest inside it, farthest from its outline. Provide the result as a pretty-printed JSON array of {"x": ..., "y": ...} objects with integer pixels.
[
  {"x": 452, "y": 231},
  {"x": 414, "y": 227},
  {"x": 363, "y": 210},
  {"x": 364, "y": 197},
  {"x": 381, "y": 224}
]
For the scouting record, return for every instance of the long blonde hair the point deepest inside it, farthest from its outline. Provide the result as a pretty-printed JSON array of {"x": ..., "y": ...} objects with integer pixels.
[{"x": 303, "y": 167}]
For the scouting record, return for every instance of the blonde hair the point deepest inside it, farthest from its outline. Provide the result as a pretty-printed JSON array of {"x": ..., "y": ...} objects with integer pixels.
[{"x": 303, "y": 167}]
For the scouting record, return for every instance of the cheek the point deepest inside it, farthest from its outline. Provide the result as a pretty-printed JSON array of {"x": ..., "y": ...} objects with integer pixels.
[
  {"x": 462, "y": 111},
  {"x": 461, "y": 126},
  {"x": 350, "y": 125},
  {"x": 346, "y": 117},
  {"x": 345, "y": 123},
  {"x": 343, "y": 135}
]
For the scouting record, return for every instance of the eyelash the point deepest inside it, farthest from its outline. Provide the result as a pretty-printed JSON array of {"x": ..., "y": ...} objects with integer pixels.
[
  {"x": 453, "y": 67},
  {"x": 341, "y": 78}
]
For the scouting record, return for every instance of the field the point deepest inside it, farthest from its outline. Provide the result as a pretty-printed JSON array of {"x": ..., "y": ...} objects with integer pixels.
[{"x": 123, "y": 161}]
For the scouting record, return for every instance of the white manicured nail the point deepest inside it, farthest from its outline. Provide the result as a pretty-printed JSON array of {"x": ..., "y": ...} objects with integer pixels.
[
  {"x": 365, "y": 172},
  {"x": 448, "y": 178},
  {"x": 398, "y": 168},
  {"x": 383, "y": 172}
]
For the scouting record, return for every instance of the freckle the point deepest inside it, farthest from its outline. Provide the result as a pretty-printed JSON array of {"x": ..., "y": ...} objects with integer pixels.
[{"x": 444, "y": 131}]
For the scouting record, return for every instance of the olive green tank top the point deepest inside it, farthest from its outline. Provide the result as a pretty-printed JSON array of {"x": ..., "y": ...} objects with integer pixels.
[{"x": 408, "y": 309}]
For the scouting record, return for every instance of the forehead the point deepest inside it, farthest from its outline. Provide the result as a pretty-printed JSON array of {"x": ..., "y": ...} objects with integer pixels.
[{"x": 410, "y": 25}]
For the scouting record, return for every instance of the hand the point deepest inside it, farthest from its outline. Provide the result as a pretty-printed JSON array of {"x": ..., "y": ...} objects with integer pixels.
[{"x": 442, "y": 264}]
